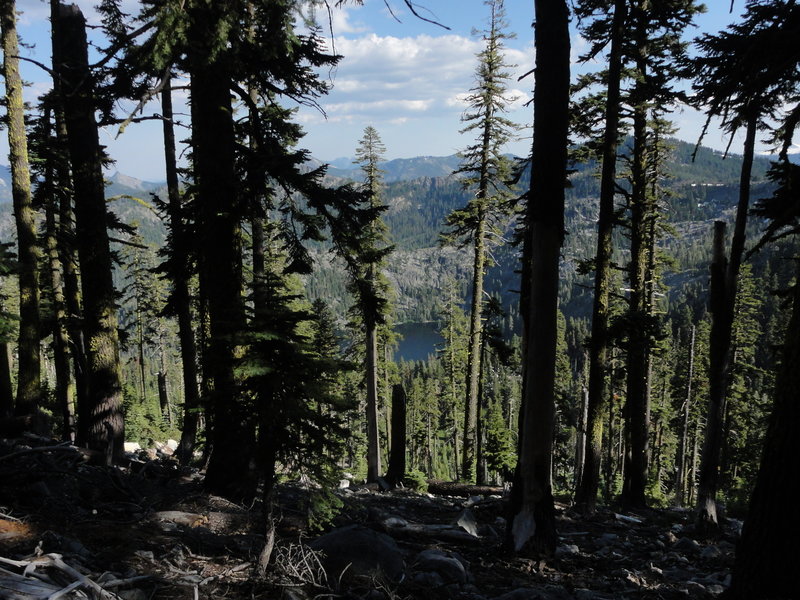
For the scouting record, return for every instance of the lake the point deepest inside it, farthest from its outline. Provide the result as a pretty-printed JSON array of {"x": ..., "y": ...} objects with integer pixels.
[{"x": 419, "y": 340}]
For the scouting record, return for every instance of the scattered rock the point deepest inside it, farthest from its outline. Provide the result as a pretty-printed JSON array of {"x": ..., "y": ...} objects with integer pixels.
[
  {"x": 607, "y": 539},
  {"x": 449, "y": 568},
  {"x": 466, "y": 521},
  {"x": 394, "y": 523},
  {"x": 545, "y": 592},
  {"x": 134, "y": 594},
  {"x": 131, "y": 447},
  {"x": 567, "y": 550},
  {"x": 686, "y": 544},
  {"x": 428, "y": 579},
  {"x": 710, "y": 553},
  {"x": 356, "y": 551},
  {"x": 472, "y": 500}
]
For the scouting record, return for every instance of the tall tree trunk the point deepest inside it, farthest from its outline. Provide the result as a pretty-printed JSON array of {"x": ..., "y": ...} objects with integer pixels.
[
  {"x": 724, "y": 301},
  {"x": 229, "y": 473},
  {"x": 373, "y": 443},
  {"x": 766, "y": 557},
  {"x": 106, "y": 426},
  {"x": 61, "y": 354},
  {"x": 637, "y": 402},
  {"x": 471, "y": 409},
  {"x": 532, "y": 523},
  {"x": 6, "y": 388},
  {"x": 67, "y": 253},
  {"x": 683, "y": 446},
  {"x": 397, "y": 459},
  {"x": 598, "y": 349},
  {"x": 29, "y": 369},
  {"x": 180, "y": 286}
]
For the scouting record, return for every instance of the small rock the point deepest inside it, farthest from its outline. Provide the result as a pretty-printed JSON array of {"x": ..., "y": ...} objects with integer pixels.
[
  {"x": 344, "y": 483},
  {"x": 670, "y": 538},
  {"x": 472, "y": 500},
  {"x": 466, "y": 521},
  {"x": 607, "y": 538},
  {"x": 428, "y": 579},
  {"x": 545, "y": 592},
  {"x": 736, "y": 526},
  {"x": 715, "y": 589},
  {"x": 567, "y": 550},
  {"x": 348, "y": 476},
  {"x": 710, "y": 553},
  {"x": 695, "y": 588},
  {"x": 686, "y": 544},
  {"x": 677, "y": 574},
  {"x": 444, "y": 563},
  {"x": 134, "y": 594},
  {"x": 172, "y": 444},
  {"x": 394, "y": 523},
  {"x": 131, "y": 447}
]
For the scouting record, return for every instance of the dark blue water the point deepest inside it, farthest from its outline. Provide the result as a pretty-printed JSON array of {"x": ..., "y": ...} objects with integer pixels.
[{"x": 419, "y": 341}]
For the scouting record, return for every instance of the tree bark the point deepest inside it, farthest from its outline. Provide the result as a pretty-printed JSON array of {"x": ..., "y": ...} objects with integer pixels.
[
  {"x": 6, "y": 387},
  {"x": 766, "y": 554},
  {"x": 29, "y": 368},
  {"x": 67, "y": 252},
  {"x": 61, "y": 354},
  {"x": 106, "y": 426},
  {"x": 229, "y": 471},
  {"x": 637, "y": 402},
  {"x": 180, "y": 286},
  {"x": 397, "y": 459},
  {"x": 723, "y": 302},
  {"x": 683, "y": 446},
  {"x": 373, "y": 443},
  {"x": 532, "y": 524},
  {"x": 598, "y": 349}
]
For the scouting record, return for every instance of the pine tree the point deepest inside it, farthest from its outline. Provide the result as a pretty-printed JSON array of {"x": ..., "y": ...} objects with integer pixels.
[
  {"x": 532, "y": 524},
  {"x": 368, "y": 154},
  {"x": 480, "y": 222},
  {"x": 105, "y": 427},
  {"x": 726, "y": 58},
  {"x": 597, "y": 394}
]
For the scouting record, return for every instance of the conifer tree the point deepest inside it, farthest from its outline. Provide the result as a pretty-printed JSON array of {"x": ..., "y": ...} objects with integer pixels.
[
  {"x": 532, "y": 523},
  {"x": 735, "y": 82},
  {"x": 480, "y": 222},
  {"x": 28, "y": 384},
  {"x": 105, "y": 427},
  {"x": 368, "y": 154},
  {"x": 598, "y": 348}
]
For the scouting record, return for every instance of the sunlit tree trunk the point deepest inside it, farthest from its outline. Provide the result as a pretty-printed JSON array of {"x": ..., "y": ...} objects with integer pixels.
[
  {"x": 598, "y": 348},
  {"x": 105, "y": 427},
  {"x": 29, "y": 368}
]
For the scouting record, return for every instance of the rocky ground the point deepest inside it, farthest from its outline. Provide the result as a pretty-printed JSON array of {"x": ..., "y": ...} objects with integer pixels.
[{"x": 69, "y": 529}]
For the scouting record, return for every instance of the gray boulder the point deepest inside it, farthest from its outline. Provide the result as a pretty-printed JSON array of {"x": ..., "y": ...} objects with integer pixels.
[{"x": 356, "y": 551}]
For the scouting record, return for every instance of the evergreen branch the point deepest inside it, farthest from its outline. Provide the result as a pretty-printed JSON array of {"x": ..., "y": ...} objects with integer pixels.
[{"x": 122, "y": 43}]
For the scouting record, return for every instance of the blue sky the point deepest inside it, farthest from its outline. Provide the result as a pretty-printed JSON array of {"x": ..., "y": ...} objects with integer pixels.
[{"x": 406, "y": 78}]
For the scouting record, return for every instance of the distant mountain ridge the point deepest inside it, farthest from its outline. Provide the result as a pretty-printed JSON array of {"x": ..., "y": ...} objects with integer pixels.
[{"x": 421, "y": 192}]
